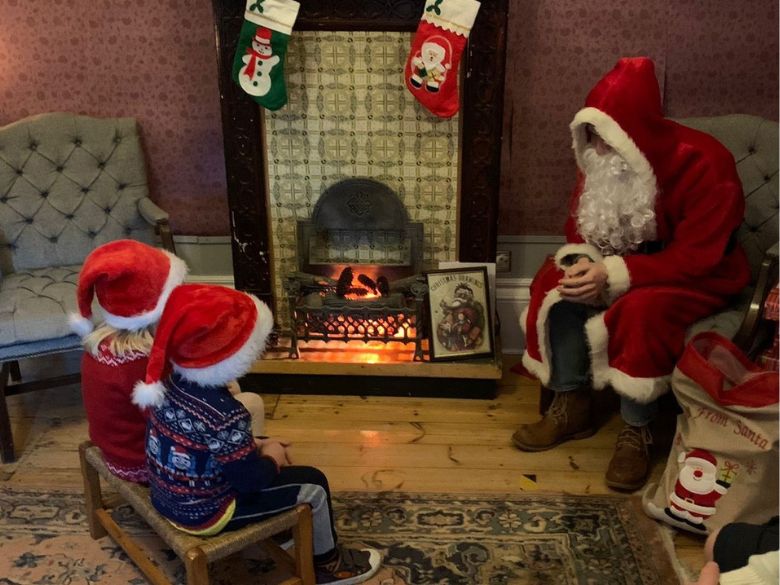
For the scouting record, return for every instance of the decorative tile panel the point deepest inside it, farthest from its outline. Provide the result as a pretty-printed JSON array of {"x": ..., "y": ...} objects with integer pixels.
[{"x": 350, "y": 115}]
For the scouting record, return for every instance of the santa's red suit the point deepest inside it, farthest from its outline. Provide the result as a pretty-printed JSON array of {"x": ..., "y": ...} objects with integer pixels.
[
  {"x": 116, "y": 425},
  {"x": 652, "y": 298}
]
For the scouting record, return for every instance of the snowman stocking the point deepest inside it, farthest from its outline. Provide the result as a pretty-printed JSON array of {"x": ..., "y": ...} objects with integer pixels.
[
  {"x": 258, "y": 66},
  {"x": 432, "y": 67}
]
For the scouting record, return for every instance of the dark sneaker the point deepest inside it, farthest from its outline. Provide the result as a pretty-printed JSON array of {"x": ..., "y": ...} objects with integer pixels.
[{"x": 349, "y": 567}]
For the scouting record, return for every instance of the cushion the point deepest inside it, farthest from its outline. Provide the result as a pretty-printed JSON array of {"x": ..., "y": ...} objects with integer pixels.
[{"x": 34, "y": 304}]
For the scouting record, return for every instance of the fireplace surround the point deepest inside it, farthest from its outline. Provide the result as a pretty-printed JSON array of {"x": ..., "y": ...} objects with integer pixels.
[{"x": 478, "y": 156}]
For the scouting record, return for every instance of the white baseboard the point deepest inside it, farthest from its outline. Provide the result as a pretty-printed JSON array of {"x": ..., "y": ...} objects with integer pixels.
[{"x": 512, "y": 295}]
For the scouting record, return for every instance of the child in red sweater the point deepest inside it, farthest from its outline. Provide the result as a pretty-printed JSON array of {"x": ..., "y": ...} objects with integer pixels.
[{"x": 131, "y": 282}]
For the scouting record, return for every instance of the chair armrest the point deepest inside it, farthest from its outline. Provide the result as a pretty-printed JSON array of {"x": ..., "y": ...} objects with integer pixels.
[
  {"x": 159, "y": 219},
  {"x": 749, "y": 337},
  {"x": 151, "y": 212}
]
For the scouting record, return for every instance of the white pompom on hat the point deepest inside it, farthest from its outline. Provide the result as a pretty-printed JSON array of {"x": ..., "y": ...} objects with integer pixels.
[
  {"x": 209, "y": 335},
  {"x": 131, "y": 281}
]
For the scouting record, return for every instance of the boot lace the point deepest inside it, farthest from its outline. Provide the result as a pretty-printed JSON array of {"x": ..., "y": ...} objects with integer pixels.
[{"x": 636, "y": 438}]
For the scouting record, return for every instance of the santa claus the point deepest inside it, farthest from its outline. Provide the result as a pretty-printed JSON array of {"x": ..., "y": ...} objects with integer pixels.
[
  {"x": 430, "y": 64},
  {"x": 650, "y": 250},
  {"x": 697, "y": 489}
]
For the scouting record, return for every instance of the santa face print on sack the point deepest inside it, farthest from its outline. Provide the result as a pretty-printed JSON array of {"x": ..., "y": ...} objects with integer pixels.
[
  {"x": 430, "y": 64},
  {"x": 697, "y": 489},
  {"x": 255, "y": 76}
]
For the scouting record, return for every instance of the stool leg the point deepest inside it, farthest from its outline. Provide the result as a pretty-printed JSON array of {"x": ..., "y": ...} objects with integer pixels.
[
  {"x": 93, "y": 499},
  {"x": 304, "y": 553},
  {"x": 197, "y": 567},
  {"x": 16, "y": 373}
]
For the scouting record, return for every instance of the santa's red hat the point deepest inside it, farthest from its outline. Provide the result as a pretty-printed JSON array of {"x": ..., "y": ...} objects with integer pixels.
[
  {"x": 263, "y": 35},
  {"x": 132, "y": 282},
  {"x": 209, "y": 335},
  {"x": 701, "y": 458}
]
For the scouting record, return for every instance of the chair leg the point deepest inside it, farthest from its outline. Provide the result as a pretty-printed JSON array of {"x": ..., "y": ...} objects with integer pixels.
[
  {"x": 197, "y": 567},
  {"x": 93, "y": 498},
  {"x": 16, "y": 373},
  {"x": 7, "y": 453},
  {"x": 304, "y": 553}
]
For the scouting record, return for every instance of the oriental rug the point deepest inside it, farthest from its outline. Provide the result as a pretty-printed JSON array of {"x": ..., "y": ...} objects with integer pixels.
[{"x": 426, "y": 539}]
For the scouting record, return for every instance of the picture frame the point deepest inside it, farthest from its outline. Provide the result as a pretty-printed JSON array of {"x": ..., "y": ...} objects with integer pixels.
[{"x": 460, "y": 324}]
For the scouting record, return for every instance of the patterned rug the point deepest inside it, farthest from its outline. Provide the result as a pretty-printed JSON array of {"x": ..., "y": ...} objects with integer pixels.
[{"x": 426, "y": 539}]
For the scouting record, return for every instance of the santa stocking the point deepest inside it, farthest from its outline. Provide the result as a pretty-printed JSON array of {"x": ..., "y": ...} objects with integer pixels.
[
  {"x": 432, "y": 68},
  {"x": 258, "y": 66}
]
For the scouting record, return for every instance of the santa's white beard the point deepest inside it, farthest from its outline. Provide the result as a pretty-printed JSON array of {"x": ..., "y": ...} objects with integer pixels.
[{"x": 616, "y": 210}]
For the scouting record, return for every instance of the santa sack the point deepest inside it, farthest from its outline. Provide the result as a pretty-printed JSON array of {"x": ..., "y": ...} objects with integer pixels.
[{"x": 723, "y": 466}]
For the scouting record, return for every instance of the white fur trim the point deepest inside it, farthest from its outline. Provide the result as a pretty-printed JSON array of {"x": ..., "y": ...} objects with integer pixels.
[
  {"x": 456, "y": 15},
  {"x": 81, "y": 326},
  {"x": 618, "y": 278},
  {"x": 176, "y": 273},
  {"x": 613, "y": 135},
  {"x": 146, "y": 395},
  {"x": 642, "y": 390},
  {"x": 239, "y": 363},
  {"x": 278, "y": 15},
  {"x": 541, "y": 369},
  {"x": 574, "y": 249}
]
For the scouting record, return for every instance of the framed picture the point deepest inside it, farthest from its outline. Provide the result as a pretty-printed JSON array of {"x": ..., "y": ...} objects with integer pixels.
[{"x": 460, "y": 324}]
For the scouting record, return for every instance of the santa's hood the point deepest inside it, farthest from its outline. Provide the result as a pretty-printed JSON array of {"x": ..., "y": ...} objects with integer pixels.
[{"x": 625, "y": 109}]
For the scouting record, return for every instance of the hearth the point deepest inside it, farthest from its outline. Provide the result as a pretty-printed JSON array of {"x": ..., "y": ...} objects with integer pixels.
[{"x": 359, "y": 260}]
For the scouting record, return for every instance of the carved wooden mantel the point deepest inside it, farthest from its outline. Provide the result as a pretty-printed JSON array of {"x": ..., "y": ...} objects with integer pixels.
[{"x": 480, "y": 139}]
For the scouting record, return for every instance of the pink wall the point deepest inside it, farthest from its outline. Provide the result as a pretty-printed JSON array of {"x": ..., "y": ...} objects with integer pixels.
[
  {"x": 150, "y": 59},
  {"x": 155, "y": 60},
  {"x": 713, "y": 57}
]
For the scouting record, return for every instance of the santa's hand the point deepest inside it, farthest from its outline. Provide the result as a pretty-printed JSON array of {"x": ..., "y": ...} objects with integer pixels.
[{"x": 584, "y": 282}]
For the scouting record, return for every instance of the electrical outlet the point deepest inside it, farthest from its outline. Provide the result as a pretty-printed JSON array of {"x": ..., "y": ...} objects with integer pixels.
[{"x": 503, "y": 261}]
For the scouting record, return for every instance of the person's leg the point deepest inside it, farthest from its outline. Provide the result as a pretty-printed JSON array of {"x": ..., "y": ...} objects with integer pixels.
[
  {"x": 294, "y": 485},
  {"x": 570, "y": 358},
  {"x": 737, "y": 541},
  {"x": 630, "y": 462},
  {"x": 568, "y": 416}
]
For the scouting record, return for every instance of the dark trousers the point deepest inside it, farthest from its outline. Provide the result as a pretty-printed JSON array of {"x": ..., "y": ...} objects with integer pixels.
[
  {"x": 294, "y": 485},
  {"x": 570, "y": 359}
]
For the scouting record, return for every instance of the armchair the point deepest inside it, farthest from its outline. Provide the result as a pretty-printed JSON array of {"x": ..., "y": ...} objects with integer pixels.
[
  {"x": 68, "y": 184},
  {"x": 754, "y": 143}
]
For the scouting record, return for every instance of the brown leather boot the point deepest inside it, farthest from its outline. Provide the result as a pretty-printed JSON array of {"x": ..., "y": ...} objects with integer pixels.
[
  {"x": 631, "y": 460},
  {"x": 567, "y": 418}
]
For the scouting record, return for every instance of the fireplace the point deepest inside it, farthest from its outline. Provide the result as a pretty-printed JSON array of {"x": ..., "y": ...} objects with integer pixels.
[
  {"x": 349, "y": 115},
  {"x": 358, "y": 275}
]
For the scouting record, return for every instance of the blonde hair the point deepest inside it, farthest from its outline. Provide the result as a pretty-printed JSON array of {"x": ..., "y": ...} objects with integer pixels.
[{"x": 120, "y": 341}]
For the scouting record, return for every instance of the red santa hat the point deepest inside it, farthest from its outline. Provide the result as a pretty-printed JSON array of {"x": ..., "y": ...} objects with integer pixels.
[
  {"x": 701, "y": 458},
  {"x": 209, "y": 335},
  {"x": 263, "y": 35},
  {"x": 131, "y": 281}
]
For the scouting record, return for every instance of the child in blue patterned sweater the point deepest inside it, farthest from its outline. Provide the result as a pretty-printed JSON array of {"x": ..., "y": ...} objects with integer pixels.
[{"x": 206, "y": 472}]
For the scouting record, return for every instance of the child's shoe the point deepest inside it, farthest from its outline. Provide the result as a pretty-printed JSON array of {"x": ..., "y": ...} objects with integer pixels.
[{"x": 350, "y": 566}]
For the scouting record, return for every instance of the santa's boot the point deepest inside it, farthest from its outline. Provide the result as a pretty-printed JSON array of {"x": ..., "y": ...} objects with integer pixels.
[
  {"x": 567, "y": 418},
  {"x": 631, "y": 460}
]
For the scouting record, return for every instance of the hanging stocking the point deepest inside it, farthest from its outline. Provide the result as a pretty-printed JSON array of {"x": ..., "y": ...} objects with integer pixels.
[
  {"x": 432, "y": 67},
  {"x": 258, "y": 66}
]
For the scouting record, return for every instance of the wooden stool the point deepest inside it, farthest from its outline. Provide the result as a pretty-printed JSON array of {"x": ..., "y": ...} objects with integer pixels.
[{"x": 196, "y": 552}]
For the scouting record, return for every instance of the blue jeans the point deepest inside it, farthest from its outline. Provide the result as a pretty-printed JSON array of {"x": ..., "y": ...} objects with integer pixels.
[{"x": 570, "y": 359}]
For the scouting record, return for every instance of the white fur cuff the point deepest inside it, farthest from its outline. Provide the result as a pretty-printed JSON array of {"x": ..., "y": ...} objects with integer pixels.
[
  {"x": 618, "y": 278},
  {"x": 588, "y": 250}
]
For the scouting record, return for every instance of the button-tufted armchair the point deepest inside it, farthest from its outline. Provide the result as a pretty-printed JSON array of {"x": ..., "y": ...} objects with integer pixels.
[
  {"x": 754, "y": 143},
  {"x": 67, "y": 184}
]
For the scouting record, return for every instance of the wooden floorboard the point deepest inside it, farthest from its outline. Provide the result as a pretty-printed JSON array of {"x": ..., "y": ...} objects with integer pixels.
[{"x": 366, "y": 444}]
